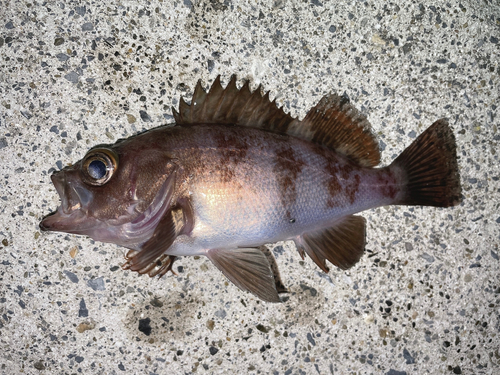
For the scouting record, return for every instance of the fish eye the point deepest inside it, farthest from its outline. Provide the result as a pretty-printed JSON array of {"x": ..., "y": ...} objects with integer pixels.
[
  {"x": 97, "y": 169},
  {"x": 99, "y": 165}
]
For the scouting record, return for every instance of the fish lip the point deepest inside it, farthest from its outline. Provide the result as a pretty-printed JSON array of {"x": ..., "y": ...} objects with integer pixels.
[
  {"x": 43, "y": 223},
  {"x": 49, "y": 222},
  {"x": 70, "y": 211},
  {"x": 58, "y": 221},
  {"x": 59, "y": 181}
]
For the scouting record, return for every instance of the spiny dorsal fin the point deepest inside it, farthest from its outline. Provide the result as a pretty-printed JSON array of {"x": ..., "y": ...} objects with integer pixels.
[
  {"x": 333, "y": 122},
  {"x": 232, "y": 106},
  {"x": 336, "y": 124}
]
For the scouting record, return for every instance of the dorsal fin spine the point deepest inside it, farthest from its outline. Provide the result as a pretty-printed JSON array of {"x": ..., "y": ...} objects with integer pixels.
[
  {"x": 184, "y": 109},
  {"x": 253, "y": 112},
  {"x": 235, "y": 102},
  {"x": 198, "y": 103},
  {"x": 247, "y": 94},
  {"x": 175, "y": 114},
  {"x": 222, "y": 97}
]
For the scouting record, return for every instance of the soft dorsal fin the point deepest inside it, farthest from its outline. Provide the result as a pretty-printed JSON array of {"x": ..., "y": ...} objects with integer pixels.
[
  {"x": 333, "y": 122},
  {"x": 336, "y": 124}
]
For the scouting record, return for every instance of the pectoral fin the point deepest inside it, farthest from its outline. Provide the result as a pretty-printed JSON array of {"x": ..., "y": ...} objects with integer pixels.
[
  {"x": 150, "y": 259},
  {"x": 163, "y": 236},
  {"x": 248, "y": 269},
  {"x": 342, "y": 244},
  {"x": 159, "y": 267}
]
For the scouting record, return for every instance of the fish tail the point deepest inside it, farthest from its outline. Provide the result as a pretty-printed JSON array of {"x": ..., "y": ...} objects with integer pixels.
[{"x": 430, "y": 169}]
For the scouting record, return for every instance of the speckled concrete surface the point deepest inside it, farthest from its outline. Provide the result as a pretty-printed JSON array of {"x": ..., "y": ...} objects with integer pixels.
[{"x": 425, "y": 299}]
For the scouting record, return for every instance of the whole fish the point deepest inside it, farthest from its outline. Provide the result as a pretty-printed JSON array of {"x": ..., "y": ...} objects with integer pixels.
[{"x": 235, "y": 172}]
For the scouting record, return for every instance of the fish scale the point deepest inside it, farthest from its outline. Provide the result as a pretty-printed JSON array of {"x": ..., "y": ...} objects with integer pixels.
[{"x": 254, "y": 206}]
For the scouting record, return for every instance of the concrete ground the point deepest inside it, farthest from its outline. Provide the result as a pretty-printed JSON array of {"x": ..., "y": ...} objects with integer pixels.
[{"x": 425, "y": 298}]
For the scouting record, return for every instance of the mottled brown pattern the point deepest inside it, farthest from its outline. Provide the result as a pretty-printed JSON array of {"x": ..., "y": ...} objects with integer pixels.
[
  {"x": 352, "y": 187},
  {"x": 349, "y": 182},
  {"x": 287, "y": 168},
  {"x": 232, "y": 150},
  {"x": 232, "y": 147},
  {"x": 332, "y": 184},
  {"x": 387, "y": 183},
  {"x": 343, "y": 181},
  {"x": 345, "y": 171}
]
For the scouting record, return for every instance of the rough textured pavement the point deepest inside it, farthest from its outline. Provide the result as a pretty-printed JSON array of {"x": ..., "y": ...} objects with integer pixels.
[{"x": 425, "y": 298}]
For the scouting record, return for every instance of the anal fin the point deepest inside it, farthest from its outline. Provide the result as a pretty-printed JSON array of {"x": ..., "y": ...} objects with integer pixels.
[
  {"x": 342, "y": 244},
  {"x": 248, "y": 269}
]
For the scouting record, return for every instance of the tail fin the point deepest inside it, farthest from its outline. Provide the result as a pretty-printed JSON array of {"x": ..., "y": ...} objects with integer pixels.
[{"x": 431, "y": 169}]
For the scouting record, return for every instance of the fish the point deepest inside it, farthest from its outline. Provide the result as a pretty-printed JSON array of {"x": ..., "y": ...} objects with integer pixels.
[{"x": 236, "y": 173}]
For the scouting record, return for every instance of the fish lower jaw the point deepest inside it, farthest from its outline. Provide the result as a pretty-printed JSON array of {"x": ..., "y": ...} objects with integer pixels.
[{"x": 66, "y": 220}]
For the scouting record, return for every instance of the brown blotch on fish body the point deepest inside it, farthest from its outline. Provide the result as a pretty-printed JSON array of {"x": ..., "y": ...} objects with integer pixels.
[
  {"x": 334, "y": 188},
  {"x": 232, "y": 151},
  {"x": 287, "y": 169},
  {"x": 352, "y": 188},
  {"x": 331, "y": 168},
  {"x": 387, "y": 183}
]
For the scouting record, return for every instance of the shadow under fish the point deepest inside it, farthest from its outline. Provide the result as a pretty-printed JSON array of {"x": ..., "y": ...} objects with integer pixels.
[{"x": 235, "y": 172}]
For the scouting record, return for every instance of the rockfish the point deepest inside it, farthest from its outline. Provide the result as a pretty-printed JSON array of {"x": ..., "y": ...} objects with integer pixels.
[{"x": 235, "y": 172}]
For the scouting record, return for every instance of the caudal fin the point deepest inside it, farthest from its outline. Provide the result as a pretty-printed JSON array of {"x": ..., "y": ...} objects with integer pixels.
[{"x": 431, "y": 169}]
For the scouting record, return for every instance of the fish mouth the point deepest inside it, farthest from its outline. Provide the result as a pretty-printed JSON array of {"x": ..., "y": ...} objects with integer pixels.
[{"x": 75, "y": 199}]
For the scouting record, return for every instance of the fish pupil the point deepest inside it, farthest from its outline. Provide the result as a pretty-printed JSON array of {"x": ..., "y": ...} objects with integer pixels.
[{"x": 97, "y": 169}]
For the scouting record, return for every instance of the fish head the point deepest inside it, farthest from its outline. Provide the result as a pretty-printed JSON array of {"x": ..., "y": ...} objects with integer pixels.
[{"x": 112, "y": 194}]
